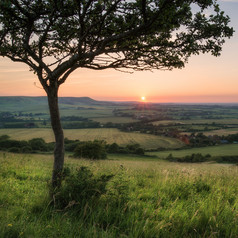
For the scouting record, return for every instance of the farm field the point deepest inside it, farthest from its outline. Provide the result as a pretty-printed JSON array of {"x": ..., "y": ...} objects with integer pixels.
[
  {"x": 110, "y": 135},
  {"x": 143, "y": 199},
  {"x": 220, "y": 132},
  {"x": 233, "y": 121},
  {"x": 221, "y": 150}
]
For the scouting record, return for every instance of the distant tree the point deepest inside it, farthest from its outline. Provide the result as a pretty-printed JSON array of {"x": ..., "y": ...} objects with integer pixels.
[
  {"x": 38, "y": 144},
  {"x": 54, "y": 38},
  {"x": 91, "y": 150},
  {"x": 113, "y": 148}
]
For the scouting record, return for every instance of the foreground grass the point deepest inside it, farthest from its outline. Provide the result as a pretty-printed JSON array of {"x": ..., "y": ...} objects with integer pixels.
[{"x": 143, "y": 199}]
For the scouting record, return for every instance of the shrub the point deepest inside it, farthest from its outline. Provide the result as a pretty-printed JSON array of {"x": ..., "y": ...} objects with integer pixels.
[
  {"x": 193, "y": 158},
  {"x": 113, "y": 148},
  {"x": 6, "y": 144},
  {"x": 38, "y": 144},
  {"x": 91, "y": 150},
  {"x": 26, "y": 149},
  {"x": 79, "y": 187},
  {"x": 70, "y": 147},
  {"x": 15, "y": 150},
  {"x": 4, "y": 137},
  {"x": 139, "y": 151}
]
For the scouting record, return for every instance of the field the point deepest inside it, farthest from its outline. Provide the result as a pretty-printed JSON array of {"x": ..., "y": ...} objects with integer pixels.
[
  {"x": 110, "y": 135},
  {"x": 143, "y": 199},
  {"x": 221, "y": 150},
  {"x": 233, "y": 121},
  {"x": 224, "y": 132}
]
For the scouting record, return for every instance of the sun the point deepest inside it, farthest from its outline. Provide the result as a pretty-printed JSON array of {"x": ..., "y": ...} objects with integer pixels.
[{"x": 143, "y": 98}]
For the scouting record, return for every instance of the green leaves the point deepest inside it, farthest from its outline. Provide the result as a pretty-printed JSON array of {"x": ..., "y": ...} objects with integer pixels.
[{"x": 135, "y": 34}]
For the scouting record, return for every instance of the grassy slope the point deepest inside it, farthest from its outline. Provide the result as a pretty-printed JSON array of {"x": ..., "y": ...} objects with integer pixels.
[
  {"x": 212, "y": 150},
  {"x": 110, "y": 135},
  {"x": 158, "y": 199}
]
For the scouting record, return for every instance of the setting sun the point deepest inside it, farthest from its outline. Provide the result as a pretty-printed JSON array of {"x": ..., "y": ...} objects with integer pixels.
[{"x": 143, "y": 98}]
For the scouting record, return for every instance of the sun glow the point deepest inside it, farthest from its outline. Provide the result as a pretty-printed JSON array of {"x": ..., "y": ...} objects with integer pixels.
[{"x": 143, "y": 98}]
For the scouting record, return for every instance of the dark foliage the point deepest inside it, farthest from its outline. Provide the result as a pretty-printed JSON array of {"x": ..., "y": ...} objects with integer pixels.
[
  {"x": 91, "y": 150},
  {"x": 194, "y": 158},
  {"x": 80, "y": 186}
]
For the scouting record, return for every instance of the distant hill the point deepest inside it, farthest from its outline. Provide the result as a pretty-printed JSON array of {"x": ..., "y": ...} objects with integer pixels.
[
  {"x": 77, "y": 100},
  {"x": 22, "y": 103},
  {"x": 22, "y": 99}
]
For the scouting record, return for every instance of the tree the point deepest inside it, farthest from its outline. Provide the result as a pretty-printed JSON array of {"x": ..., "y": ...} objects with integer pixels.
[
  {"x": 55, "y": 37},
  {"x": 91, "y": 150}
]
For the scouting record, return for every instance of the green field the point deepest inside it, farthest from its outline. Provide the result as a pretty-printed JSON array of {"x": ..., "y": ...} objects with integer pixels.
[
  {"x": 233, "y": 121},
  {"x": 110, "y": 135},
  {"x": 143, "y": 199},
  {"x": 221, "y": 132},
  {"x": 221, "y": 150}
]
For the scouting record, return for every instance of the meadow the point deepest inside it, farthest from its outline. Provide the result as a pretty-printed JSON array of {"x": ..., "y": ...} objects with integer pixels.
[
  {"x": 110, "y": 135},
  {"x": 151, "y": 198}
]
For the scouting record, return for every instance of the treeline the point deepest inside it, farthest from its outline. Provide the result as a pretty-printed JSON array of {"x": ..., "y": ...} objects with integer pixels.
[
  {"x": 30, "y": 146},
  {"x": 200, "y": 140},
  {"x": 100, "y": 148},
  {"x": 198, "y": 158}
]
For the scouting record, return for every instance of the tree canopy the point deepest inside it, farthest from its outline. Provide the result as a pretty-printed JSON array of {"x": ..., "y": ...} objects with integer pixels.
[{"x": 56, "y": 37}]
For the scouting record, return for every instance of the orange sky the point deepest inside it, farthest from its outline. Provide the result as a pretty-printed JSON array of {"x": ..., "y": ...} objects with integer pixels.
[{"x": 204, "y": 79}]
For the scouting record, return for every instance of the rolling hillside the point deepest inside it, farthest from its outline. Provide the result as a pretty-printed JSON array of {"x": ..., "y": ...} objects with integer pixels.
[{"x": 22, "y": 103}]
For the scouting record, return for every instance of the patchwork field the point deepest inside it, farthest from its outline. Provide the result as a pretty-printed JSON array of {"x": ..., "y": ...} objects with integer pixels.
[
  {"x": 222, "y": 132},
  {"x": 221, "y": 150},
  {"x": 233, "y": 121},
  {"x": 110, "y": 135}
]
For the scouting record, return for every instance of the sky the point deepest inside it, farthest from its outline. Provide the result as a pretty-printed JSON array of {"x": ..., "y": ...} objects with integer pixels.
[{"x": 205, "y": 79}]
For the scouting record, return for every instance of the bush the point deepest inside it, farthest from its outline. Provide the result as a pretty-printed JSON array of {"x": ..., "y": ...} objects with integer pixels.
[
  {"x": 7, "y": 144},
  {"x": 113, "y": 148},
  {"x": 15, "y": 150},
  {"x": 91, "y": 150},
  {"x": 194, "y": 158},
  {"x": 80, "y": 186},
  {"x": 4, "y": 137},
  {"x": 135, "y": 149},
  {"x": 38, "y": 144},
  {"x": 139, "y": 151},
  {"x": 26, "y": 149},
  {"x": 70, "y": 147}
]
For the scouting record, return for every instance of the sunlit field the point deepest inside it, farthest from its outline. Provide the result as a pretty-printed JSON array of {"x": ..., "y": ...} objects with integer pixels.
[
  {"x": 110, "y": 135},
  {"x": 150, "y": 198}
]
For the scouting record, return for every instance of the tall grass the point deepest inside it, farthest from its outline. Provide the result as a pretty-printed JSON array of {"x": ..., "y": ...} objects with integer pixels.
[{"x": 141, "y": 199}]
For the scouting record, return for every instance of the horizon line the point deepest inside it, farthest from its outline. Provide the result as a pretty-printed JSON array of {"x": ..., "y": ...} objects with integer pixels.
[{"x": 132, "y": 101}]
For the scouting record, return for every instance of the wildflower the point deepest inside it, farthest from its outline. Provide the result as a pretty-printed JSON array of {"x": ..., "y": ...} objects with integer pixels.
[{"x": 9, "y": 225}]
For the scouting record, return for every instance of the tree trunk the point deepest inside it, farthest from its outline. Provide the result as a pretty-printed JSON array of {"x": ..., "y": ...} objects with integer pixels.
[{"x": 59, "y": 137}]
